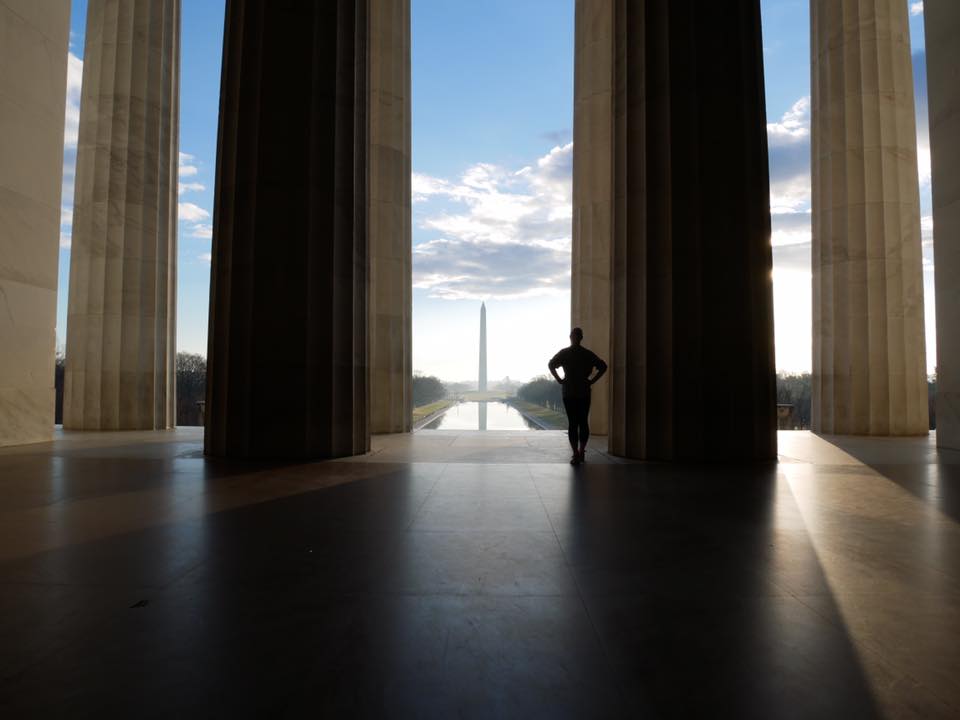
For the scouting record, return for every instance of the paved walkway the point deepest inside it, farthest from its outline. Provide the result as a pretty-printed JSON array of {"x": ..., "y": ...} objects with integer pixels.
[{"x": 478, "y": 575}]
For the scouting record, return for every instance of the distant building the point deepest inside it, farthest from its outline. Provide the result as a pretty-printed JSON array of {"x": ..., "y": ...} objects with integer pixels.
[{"x": 786, "y": 417}]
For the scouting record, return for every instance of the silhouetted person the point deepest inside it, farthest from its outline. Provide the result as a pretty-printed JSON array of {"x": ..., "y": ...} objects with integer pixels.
[{"x": 578, "y": 364}]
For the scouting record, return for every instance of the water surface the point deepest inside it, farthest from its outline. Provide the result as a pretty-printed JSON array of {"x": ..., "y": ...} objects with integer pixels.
[{"x": 481, "y": 416}]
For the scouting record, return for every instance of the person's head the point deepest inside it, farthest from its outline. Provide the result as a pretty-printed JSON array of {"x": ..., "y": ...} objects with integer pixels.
[{"x": 576, "y": 336}]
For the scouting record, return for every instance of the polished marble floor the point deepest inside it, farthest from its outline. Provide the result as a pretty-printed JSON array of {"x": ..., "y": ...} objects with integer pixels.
[{"x": 450, "y": 575}]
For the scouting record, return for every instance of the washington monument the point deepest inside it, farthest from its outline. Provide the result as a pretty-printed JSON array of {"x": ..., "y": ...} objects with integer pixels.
[{"x": 482, "y": 383}]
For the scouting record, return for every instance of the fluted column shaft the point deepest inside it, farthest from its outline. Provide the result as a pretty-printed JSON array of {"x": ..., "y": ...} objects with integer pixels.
[
  {"x": 684, "y": 191},
  {"x": 942, "y": 19},
  {"x": 391, "y": 283},
  {"x": 287, "y": 370},
  {"x": 121, "y": 337},
  {"x": 593, "y": 188},
  {"x": 869, "y": 362},
  {"x": 33, "y": 58}
]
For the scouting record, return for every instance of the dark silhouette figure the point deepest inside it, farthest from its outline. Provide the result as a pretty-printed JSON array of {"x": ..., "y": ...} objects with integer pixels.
[{"x": 578, "y": 364}]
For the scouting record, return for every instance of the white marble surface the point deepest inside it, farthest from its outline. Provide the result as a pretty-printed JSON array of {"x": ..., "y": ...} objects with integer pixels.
[
  {"x": 33, "y": 77},
  {"x": 391, "y": 289},
  {"x": 122, "y": 306},
  {"x": 869, "y": 362},
  {"x": 942, "y": 19},
  {"x": 593, "y": 189}
]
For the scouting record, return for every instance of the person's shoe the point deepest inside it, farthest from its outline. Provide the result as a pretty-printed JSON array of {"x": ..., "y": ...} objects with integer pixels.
[
  {"x": 583, "y": 455},
  {"x": 575, "y": 460}
]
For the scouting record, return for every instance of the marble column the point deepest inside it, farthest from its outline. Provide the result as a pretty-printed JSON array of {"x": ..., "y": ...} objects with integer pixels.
[
  {"x": 33, "y": 82},
  {"x": 942, "y": 21},
  {"x": 685, "y": 161},
  {"x": 593, "y": 188},
  {"x": 121, "y": 336},
  {"x": 287, "y": 364},
  {"x": 391, "y": 288},
  {"x": 869, "y": 362}
]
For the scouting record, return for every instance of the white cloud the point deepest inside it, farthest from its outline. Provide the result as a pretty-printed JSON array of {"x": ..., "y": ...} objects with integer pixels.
[
  {"x": 424, "y": 187},
  {"x": 789, "y": 142},
  {"x": 71, "y": 128},
  {"x": 924, "y": 169},
  {"x": 793, "y": 126},
  {"x": 188, "y": 167},
  {"x": 916, "y": 8},
  {"x": 66, "y": 226},
  {"x": 926, "y": 234},
  {"x": 190, "y": 187},
  {"x": 790, "y": 228},
  {"x": 500, "y": 233},
  {"x": 206, "y": 257},
  {"x": 71, "y": 133},
  {"x": 202, "y": 231},
  {"x": 790, "y": 201},
  {"x": 192, "y": 213},
  {"x": 926, "y": 231}
]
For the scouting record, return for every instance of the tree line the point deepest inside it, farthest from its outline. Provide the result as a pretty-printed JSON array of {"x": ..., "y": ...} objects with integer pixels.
[
  {"x": 191, "y": 373},
  {"x": 191, "y": 370},
  {"x": 797, "y": 390},
  {"x": 792, "y": 389},
  {"x": 191, "y": 388},
  {"x": 427, "y": 389},
  {"x": 543, "y": 391}
]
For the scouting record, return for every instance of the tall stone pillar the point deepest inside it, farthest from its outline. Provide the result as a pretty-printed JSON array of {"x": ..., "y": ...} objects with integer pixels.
[
  {"x": 593, "y": 188},
  {"x": 942, "y": 20},
  {"x": 121, "y": 316},
  {"x": 391, "y": 284},
  {"x": 869, "y": 363},
  {"x": 682, "y": 192},
  {"x": 287, "y": 368},
  {"x": 33, "y": 82}
]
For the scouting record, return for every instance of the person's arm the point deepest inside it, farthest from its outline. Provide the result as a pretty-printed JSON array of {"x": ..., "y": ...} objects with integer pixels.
[
  {"x": 553, "y": 365},
  {"x": 601, "y": 367}
]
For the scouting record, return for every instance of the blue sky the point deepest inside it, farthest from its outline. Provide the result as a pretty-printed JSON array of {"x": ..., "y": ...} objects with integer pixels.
[{"x": 492, "y": 129}]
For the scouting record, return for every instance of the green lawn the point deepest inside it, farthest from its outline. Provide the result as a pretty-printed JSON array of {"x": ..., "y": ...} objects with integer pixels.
[
  {"x": 550, "y": 418},
  {"x": 419, "y": 413}
]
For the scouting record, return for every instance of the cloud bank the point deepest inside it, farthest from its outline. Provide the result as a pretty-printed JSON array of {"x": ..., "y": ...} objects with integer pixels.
[
  {"x": 496, "y": 233},
  {"x": 71, "y": 132}
]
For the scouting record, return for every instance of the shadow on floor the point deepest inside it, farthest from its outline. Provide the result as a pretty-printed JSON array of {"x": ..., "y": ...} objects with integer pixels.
[
  {"x": 432, "y": 590},
  {"x": 929, "y": 473}
]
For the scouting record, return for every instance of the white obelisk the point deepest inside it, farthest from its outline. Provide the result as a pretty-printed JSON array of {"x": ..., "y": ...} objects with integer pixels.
[{"x": 482, "y": 384}]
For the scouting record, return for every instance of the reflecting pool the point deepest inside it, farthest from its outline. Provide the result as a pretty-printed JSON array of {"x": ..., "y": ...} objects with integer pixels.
[{"x": 481, "y": 416}]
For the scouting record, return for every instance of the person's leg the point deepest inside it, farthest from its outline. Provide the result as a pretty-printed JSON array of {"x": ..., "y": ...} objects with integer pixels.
[
  {"x": 584, "y": 426},
  {"x": 573, "y": 422}
]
